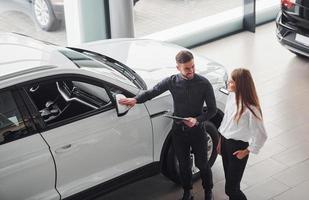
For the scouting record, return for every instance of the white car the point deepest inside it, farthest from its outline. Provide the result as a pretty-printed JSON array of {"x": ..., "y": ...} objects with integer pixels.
[{"x": 62, "y": 133}]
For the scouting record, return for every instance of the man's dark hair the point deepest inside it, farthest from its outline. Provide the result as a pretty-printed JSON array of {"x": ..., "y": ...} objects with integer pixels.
[{"x": 183, "y": 57}]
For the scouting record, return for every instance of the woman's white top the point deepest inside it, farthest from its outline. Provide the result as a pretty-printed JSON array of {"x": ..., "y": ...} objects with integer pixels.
[{"x": 248, "y": 129}]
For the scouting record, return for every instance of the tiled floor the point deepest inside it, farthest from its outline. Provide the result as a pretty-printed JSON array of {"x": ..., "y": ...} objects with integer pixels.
[{"x": 280, "y": 171}]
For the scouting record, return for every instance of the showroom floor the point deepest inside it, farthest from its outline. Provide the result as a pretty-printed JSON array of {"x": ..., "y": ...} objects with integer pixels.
[{"x": 280, "y": 171}]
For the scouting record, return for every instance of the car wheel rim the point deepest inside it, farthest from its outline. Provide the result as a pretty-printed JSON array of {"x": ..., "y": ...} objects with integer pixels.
[
  {"x": 41, "y": 12},
  {"x": 209, "y": 153}
]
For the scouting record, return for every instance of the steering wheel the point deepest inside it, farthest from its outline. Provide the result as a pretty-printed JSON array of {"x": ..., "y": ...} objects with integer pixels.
[{"x": 64, "y": 90}]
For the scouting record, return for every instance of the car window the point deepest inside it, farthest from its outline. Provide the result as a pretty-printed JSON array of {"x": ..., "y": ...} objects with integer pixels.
[
  {"x": 62, "y": 100},
  {"x": 12, "y": 126}
]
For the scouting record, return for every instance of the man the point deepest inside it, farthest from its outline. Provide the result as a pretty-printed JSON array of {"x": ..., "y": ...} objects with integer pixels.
[{"x": 189, "y": 91}]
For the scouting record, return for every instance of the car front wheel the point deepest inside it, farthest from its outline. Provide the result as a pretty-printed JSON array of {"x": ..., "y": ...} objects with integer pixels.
[
  {"x": 173, "y": 164},
  {"x": 44, "y": 15}
]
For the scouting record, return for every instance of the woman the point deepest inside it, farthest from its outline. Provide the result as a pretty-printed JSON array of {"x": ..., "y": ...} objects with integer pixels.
[{"x": 242, "y": 123}]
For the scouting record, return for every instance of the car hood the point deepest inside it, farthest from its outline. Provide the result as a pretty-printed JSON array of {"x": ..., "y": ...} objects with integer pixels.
[{"x": 153, "y": 60}]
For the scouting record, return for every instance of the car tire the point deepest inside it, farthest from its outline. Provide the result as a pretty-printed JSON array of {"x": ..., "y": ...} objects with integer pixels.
[
  {"x": 44, "y": 15},
  {"x": 172, "y": 165}
]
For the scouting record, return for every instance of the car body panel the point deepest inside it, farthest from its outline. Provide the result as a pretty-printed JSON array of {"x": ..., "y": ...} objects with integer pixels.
[
  {"x": 145, "y": 58},
  {"x": 27, "y": 170},
  {"x": 298, "y": 15},
  {"x": 161, "y": 125},
  {"x": 99, "y": 154}
]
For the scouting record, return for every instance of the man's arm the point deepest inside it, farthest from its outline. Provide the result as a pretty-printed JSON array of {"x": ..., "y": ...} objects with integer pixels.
[
  {"x": 158, "y": 89},
  {"x": 147, "y": 95},
  {"x": 210, "y": 103}
]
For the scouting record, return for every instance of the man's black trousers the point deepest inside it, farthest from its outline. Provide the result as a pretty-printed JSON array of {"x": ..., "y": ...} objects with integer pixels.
[
  {"x": 233, "y": 167},
  {"x": 185, "y": 138}
]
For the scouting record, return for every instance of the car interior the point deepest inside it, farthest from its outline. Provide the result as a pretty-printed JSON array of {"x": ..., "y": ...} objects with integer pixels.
[{"x": 64, "y": 99}]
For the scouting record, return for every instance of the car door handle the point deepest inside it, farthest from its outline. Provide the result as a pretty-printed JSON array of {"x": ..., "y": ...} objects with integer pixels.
[{"x": 64, "y": 148}]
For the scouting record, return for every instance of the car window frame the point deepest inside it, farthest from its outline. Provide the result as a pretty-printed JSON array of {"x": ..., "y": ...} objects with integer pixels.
[
  {"x": 23, "y": 111},
  {"x": 38, "y": 120}
]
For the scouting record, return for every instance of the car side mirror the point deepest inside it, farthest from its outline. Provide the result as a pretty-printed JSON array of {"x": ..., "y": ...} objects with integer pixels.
[{"x": 121, "y": 109}]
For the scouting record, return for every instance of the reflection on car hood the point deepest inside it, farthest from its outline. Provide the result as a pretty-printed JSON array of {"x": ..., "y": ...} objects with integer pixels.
[{"x": 153, "y": 60}]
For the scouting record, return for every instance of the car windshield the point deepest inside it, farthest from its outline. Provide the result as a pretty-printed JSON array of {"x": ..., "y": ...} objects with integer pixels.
[
  {"x": 86, "y": 60},
  {"x": 105, "y": 65}
]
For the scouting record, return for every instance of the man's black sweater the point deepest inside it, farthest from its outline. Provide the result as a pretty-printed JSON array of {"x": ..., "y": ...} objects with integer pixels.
[{"x": 188, "y": 95}]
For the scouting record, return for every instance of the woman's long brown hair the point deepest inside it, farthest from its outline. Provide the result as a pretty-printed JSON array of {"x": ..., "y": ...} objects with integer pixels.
[{"x": 245, "y": 93}]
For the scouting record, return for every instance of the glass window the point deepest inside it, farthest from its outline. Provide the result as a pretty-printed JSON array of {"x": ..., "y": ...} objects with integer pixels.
[
  {"x": 12, "y": 126},
  {"x": 65, "y": 99}
]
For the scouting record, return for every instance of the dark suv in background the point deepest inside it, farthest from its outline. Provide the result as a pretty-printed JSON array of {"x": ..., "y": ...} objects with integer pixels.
[{"x": 293, "y": 26}]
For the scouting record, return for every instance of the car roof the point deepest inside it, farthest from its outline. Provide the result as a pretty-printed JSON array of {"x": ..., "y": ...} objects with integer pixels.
[
  {"x": 24, "y": 59},
  {"x": 20, "y": 55}
]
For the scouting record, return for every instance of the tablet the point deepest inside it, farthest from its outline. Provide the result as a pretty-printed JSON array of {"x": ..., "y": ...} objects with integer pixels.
[{"x": 175, "y": 117}]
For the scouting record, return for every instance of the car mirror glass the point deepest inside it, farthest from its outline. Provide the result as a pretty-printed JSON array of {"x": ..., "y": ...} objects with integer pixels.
[{"x": 121, "y": 109}]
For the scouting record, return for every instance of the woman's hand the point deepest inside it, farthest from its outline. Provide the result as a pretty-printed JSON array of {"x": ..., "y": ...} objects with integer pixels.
[{"x": 240, "y": 154}]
